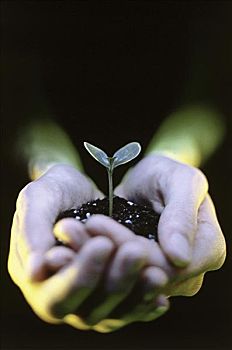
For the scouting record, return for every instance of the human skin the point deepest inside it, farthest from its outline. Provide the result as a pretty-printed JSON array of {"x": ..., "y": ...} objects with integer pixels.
[
  {"x": 56, "y": 280},
  {"x": 189, "y": 232},
  {"x": 102, "y": 257}
]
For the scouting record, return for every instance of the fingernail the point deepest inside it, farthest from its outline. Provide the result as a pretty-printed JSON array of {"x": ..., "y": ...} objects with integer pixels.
[{"x": 181, "y": 250}]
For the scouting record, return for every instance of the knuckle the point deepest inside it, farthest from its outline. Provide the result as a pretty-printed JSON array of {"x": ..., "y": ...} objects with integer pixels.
[
  {"x": 201, "y": 178},
  {"x": 184, "y": 228},
  {"x": 155, "y": 277},
  {"x": 31, "y": 192},
  {"x": 101, "y": 244},
  {"x": 195, "y": 174},
  {"x": 98, "y": 252},
  {"x": 198, "y": 177},
  {"x": 101, "y": 240},
  {"x": 132, "y": 252},
  {"x": 25, "y": 193}
]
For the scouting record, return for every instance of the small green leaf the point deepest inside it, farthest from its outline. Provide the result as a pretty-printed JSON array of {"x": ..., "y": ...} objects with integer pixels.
[
  {"x": 98, "y": 154},
  {"x": 126, "y": 153}
]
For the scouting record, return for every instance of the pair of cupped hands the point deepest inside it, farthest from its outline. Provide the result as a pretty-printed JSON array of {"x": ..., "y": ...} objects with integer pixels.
[{"x": 105, "y": 276}]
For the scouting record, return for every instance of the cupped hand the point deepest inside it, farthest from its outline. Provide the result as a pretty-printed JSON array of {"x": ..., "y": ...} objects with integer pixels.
[
  {"x": 37, "y": 208},
  {"x": 189, "y": 232},
  {"x": 63, "y": 283}
]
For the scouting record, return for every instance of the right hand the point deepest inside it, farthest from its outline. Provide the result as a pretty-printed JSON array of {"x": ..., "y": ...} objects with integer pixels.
[{"x": 57, "y": 280}]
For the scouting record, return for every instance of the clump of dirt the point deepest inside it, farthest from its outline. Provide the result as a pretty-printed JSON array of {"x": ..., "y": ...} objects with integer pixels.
[{"x": 141, "y": 219}]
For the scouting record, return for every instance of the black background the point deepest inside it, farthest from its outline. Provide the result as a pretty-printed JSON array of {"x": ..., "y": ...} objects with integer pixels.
[{"x": 109, "y": 75}]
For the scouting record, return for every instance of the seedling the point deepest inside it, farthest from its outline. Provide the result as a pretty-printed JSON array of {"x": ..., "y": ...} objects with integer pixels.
[{"x": 122, "y": 156}]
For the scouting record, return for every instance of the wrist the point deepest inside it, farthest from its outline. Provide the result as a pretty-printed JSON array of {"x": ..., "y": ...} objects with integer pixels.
[
  {"x": 189, "y": 135},
  {"x": 186, "y": 154},
  {"x": 41, "y": 165}
]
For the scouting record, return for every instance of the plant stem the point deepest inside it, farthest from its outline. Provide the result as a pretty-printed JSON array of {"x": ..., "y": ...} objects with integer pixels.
[{"x": 111, "y": 193}]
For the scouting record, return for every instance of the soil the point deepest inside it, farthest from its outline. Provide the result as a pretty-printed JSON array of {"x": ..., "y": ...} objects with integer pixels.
[{"x": 141, "y": 219}]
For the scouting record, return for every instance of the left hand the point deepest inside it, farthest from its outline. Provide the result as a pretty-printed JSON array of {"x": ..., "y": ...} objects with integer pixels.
[{"x": 189, "y": 233}]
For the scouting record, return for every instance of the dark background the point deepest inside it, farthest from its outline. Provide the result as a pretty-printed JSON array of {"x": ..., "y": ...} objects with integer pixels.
[{"x": 109, "y": 75}]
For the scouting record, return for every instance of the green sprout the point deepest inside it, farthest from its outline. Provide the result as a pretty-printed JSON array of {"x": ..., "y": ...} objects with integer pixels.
[{"x": 122, "y": 156}]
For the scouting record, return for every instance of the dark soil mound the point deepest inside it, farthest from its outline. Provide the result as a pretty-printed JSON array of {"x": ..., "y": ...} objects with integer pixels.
[{"x": 141, "y": 219}]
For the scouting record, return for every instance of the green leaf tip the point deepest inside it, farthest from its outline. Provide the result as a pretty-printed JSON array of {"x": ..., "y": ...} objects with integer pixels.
[
  {"x": 97, "y": 154},
  {"x": 126, "y": 153}
]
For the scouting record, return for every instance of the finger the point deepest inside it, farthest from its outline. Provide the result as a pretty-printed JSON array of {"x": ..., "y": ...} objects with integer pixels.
[
  {"x": 127, "y": 264},
  {"x": 72, "y": 285},
  {"x": 148, "y": 310},
  {"x": 58, "y": 257},
  {"x": 21, "y": 264},
  {"x": 156, "y": 257},
  {"x": 145, "y": 291},
  {"x": 37, "y": 209},
  {"x": 120, "y": 279},
  {"x": 71, "y": 232},
  {"x": 39, "y": 267},
  {"x": 209, "y": 246},
  {"x": 76, "y": 322},
  {"x": 178, "y": 222},
  {"x": 155, "y": 310},
  {"x": 153, "y": 279},
  {"x": 119, "y": 234},
  {"x": 162, "y": 305},
  {"x": 109, "y": 325},
  {"x": 103, "y": 225},
  {"x": 36, "y": 219}
]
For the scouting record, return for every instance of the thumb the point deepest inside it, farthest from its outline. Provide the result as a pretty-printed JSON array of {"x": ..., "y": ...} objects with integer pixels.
[
  {"x": 178, "y": 222},
  {"x": 176, "y": 231},
  {"x": 33, "y": 229}
]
